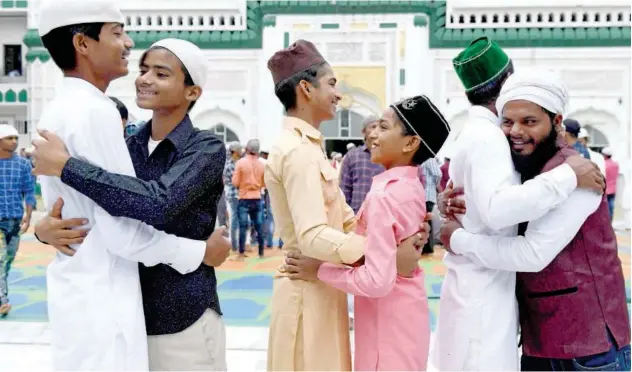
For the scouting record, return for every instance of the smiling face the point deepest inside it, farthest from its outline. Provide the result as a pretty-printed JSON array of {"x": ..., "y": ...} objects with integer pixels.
[
  {"x": 526, "y": 125},
  {"x": 110, "y": 54},
  {"x": 532, "y": 134},
  {"x": 161, "y": 82},
  {"x": 322, "y": 96},
  {"x": 389, "y": 144}
]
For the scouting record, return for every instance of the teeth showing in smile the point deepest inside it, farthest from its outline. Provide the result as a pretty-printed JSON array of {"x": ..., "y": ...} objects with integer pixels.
[{"x": 146, "y": 94}]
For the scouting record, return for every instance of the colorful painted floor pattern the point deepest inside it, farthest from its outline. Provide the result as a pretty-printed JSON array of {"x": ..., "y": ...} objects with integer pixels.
[{"x": 244, "y": 288}]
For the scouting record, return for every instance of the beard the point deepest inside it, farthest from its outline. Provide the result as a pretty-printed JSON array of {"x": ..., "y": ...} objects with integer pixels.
[{"x": 531, "y": 165}]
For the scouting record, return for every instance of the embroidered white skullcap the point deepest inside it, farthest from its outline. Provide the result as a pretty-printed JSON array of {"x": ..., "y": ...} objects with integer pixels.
[
  {"x": 59, "y": 13},
  {"x": 7, "y": 130},
  {"x": 191, "y": 57},
  {"x": 607, "y": 151},
  {"x": 541, "y": 87}
]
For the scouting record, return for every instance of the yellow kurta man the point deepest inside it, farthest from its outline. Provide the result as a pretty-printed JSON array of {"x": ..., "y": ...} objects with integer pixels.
[{"x": 309, "y": 326}]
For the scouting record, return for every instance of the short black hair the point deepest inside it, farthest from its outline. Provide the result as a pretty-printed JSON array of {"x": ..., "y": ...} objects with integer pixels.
[
  {"x": 421, "y": 155},
  {"x": 120, "y": 106},
  {"x": 489, "y": 92},
  {"x": 58, "y": 42},
  {"x": 188, "y": 80},
  {"x": 286, "y": 90}
]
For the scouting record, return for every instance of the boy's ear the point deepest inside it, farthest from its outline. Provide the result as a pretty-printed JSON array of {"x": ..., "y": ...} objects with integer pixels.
[
  {"x": 412, "y": 145},
  {"x": 192, "y": 93}
]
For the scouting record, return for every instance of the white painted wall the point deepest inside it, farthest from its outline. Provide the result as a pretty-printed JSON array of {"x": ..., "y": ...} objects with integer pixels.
[{"x": 12, "y": 30}]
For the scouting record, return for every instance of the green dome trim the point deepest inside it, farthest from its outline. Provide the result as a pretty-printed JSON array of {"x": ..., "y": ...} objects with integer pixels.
[
  {"x": 41, "y": 54},
  {"x": 262, "y": 13},
  {"x": 14, "y": 4}
]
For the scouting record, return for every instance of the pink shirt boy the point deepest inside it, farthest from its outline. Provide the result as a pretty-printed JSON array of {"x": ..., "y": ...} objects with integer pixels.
[{"x": 392, "y": 325}]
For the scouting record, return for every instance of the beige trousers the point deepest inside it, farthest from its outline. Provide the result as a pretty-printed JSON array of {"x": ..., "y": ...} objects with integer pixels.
[{"x": 201, "y": 347}]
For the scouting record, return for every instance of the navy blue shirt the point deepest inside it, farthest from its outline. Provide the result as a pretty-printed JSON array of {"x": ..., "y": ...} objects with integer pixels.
[{"x": 177, "y": 191}]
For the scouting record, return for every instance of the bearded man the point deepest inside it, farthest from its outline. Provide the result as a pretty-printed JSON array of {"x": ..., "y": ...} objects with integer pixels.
[{"x": 570, "y": 285}]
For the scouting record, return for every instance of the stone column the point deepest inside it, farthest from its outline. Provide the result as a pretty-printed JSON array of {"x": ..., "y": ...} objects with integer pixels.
[
  {"x": 419, "y": 60},
  {"x": 269, "y": 111}
]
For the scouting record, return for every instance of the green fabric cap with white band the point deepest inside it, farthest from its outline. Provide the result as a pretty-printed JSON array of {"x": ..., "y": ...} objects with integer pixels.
[{"x": 480, "y": 63}]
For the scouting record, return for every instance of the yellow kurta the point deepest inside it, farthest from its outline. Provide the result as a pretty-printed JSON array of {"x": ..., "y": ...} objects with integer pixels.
[{"x": 309, "y": 324}]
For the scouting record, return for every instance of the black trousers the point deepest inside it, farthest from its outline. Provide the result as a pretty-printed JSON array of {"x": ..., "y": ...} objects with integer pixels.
[{"x": 429, "y": 247}]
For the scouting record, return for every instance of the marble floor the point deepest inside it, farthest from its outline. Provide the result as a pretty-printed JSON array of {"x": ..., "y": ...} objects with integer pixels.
[{"x": 25, "y": 347}]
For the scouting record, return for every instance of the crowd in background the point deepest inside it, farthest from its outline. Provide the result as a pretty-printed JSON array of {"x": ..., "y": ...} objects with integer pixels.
[{"x": 356, "y": 172}]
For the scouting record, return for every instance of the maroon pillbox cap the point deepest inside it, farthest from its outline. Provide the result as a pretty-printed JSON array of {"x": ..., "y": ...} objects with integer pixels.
[{"x": 296, "y": 58}]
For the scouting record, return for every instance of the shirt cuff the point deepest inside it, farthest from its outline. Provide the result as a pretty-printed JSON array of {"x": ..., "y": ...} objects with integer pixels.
[
  {"x": 325, "y": 270},
  {"x": 458, "y": 241},
  {"x": 564, "y": 177},
  {"x": 191, "y": 254},
  {"x": 72, "y": 171},
  {"x": 352, "y": 249}
]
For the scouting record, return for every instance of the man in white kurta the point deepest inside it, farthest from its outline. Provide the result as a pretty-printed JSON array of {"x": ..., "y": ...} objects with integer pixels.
[
  {"x": 467, "y": 337},
  {"x": 94, "y": 297},
  {"x": 546, "y": 236}
]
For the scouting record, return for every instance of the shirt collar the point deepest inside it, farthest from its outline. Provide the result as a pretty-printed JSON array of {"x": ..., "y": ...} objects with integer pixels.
[
  {"x": 178, "y": 136},
  {"x": 76, "y": 83},
  {"x": 484, "y": 113},
  {"x": 396, "y": 173},
  {"x": 303, "y": 128}
]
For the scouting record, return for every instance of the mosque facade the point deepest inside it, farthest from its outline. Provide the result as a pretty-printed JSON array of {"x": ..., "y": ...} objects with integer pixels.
[{"x": 380, "y": 50}]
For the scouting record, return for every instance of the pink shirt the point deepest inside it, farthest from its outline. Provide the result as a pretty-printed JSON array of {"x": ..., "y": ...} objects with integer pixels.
[
  {"x": 612, "y": 172},
  {"x": 392, "y": 324}
]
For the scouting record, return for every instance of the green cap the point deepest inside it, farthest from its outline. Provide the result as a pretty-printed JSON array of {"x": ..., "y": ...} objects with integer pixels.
[{"x": 479, "y": 63}]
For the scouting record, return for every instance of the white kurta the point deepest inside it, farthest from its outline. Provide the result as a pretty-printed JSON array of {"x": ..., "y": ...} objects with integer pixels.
[
  {"x": 544, "y": 239},
  {"x": 94, "y": 298},
  {"x": 478, "y": 315},
  {"x": 598, "y": 159}
]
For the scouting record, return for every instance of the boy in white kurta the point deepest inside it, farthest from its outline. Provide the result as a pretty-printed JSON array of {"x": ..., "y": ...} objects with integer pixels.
[{"x": 94, "y": 298}]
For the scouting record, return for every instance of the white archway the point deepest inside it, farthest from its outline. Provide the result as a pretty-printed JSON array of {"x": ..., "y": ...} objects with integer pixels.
[
  {"x": 599, "y": 122},
  {"x": 617, "y": 137},
  {"x": 225, "y": 124},
  {"x": 346, "y": 124}
]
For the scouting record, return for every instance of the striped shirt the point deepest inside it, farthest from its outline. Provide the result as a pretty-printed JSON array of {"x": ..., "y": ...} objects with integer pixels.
[
  {"x": 432, "y": 174},
  {"x": 230, "y": 191},
  {"x": 17, "y": 185},
  {"x": 356, "y": 176}
]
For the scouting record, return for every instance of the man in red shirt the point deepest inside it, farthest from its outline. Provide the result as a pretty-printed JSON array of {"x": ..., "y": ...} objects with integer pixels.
[
  {"x": 612, "y": 173},
  {"x": 248, "y": 179}
]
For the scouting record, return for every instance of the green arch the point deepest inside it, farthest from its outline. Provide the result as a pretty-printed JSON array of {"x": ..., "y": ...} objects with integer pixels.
[
  {"x": 23, "y": 96},
  {"x": 11, "y": 96}
]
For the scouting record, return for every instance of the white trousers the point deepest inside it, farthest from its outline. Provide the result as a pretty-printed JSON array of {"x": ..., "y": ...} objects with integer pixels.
[{"x": 201, "y": 347}]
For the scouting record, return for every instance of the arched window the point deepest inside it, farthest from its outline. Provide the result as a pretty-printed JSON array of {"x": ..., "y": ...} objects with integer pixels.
[
  {"x": 224, "y": 133},
  {"x": 346, "y": 124},
  {"x": 596, "y": 138}
]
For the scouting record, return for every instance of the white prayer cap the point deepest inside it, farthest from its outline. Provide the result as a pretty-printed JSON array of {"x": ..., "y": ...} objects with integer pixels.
[
  {"x": 191, "y": 57},
  {"x": 59, "y": 13},
  {"x": 541, "y": 87},
  {"x": 607, "y": 151},
  {"x": 7, "y": 130},
  {"x": 350, "y": 146},
  {"x": 582, "y": 133}
]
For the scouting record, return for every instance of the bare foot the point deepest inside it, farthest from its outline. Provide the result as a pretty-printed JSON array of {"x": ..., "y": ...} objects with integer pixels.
[
  {"x": 4, "y": 309},
  {"x": 239, "y": 257}
]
